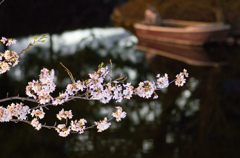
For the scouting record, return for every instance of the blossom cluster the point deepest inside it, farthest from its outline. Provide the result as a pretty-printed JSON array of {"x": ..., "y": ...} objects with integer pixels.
[
  {"x": 40, "y": 90},
  {"x": 8, "y": 41},
  {"x": 8, "y": 58},
  {"x": 14, "y": 110},
  {"x": 180, "y": 81},
  {"x": 93, "y": 88},
  {"x": 78, "y": 126}
]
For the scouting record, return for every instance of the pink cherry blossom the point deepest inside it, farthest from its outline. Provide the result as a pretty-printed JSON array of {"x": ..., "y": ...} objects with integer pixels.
[
  {"x": 102, "y": 125},
  {"x": 64, "y": 114},
  {"x": 35, "y": 123},
  {"x": 78, "y": 126},
  {"x": 38, "y": 113},
  {"x": 63, "y": 130},
  {"x": 119, "y": 114}
]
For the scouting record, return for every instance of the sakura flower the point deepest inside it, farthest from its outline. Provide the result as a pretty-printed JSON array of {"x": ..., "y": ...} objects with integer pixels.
[
  {"x": 180, "y": 80},
  {"x": 35, "y": 123},
  {"x": 64, "y": 114},
  {"x": 78, "y": 126},
  {"x": 104, "y": 71},
  {"x": 38, "y": 113},
  {"x": 29, "y": 90},
  {"x": 95, "y": 81},
  {"x": 14, "y": 58},
  {"x": 11, "y": 41},
  {"x": 5, "y": 114},
  {"x": 155, "y": 96},
  {"x": 162, "y": 82},
  {"x": 127, "y": 93},
  {"x": 47, "y": 88},
  {"x": 4, "y": 66},
  {"x": 185, "y": 73},
  {"x": 69, "y": 114},
  {"x": 63, "y": 130},
  {"x": 70, "y": 89},
  {"x": 80, "y": 85},
  {"x": 63, "y": 97},
  {"x": 3, "y": 40},
  {"x": 119, "y": 114},
  {"x": 19, "y": 111},
  {"x": 117, "y": 93},
  {"x": 57, "y": 101},
  {"x": 46, "y": 76},
  {"x": 44, "y": 98},
  {"x": 106, "y": 96},
  {"x": 102, "y": 125},
  {"x": 43, "y": 88},
  {"x": 145, "y": 89},
  {"x": 7, "y": 54}
]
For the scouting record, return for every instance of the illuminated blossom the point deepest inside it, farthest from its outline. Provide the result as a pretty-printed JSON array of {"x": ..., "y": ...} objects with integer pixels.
[
  {"x": 35, "y": 123},
  {"x": 145, "y": 89},
  {"x": 7, "y": 54},
  {"x": 3, "y": 40},
  {"x": 104, "y": 71},
  {"x": 119, "y": 114},
  {"x": 102, "y": 125},
  {"x": 64, "y": 114},
  {"x": 11, "y": 41},
  {"x": 117, "y": 93},
  {"x": 106, "y": 95},
  {"x": 63, "y": 130},
  {"x": 78, "y": 126},
  {"x": 43, "y": 88},
  {"x": 4, "y": 66},
  {"x": 38, "y": 113},
  {"x": 80, "y": 85},
  {"x": 155, "y": 96},
  {"x": 128, "y": 91},
  {"x": 5, "y": 115},
  {"x": 46, "y": 76},
  {"x": 162, "y": 82},
  {"x": 19, "y": 111},
  {"x": 180, "y": 80}
]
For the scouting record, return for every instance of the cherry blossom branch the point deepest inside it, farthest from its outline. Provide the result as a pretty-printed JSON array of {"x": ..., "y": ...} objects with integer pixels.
[
  {"x": 32, "y": 43},
  {"x": 18, "y": 98},
  {"x": 93, "y": 88},
  {"x": 28, "y": 122},
  {"x": 10, "y": 58}
]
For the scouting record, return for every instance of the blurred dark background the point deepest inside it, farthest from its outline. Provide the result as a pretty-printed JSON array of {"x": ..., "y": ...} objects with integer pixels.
[
  {"x": 198, "y": 120},
  {"x": 24, "y": 17}
]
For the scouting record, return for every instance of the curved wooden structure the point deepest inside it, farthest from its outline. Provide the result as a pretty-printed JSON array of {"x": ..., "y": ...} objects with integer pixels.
[{"x": 184, "y": 32}]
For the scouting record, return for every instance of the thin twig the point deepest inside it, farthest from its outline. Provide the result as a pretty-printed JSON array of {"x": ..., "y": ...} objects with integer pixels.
[
  {"x": 17, "y": 98},
  {"x": 111, "y": 71},
  {"x": 69, "y": 73},
  {"x": 31, "y": 44},
  {"x": 1, "y": 2},
  {"x": 16, "y": 121}
]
